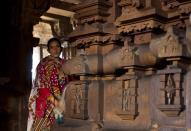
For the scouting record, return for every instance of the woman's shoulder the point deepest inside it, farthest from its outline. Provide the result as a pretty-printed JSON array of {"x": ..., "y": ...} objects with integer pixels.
[
  {"x": 43, "y": 61},
  {"x": 47, "y": 58}
]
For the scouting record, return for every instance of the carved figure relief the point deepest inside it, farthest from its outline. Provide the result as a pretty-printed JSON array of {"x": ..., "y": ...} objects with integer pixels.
[
  {"x": 128, "y": 56},
  {"x": 126, "y": 96},
  {"x": 170, "y": 45},
  {"x": 78, "y": 100},
  {"x": 127, "y": 53},
  {"x": 170, "y": 89}
]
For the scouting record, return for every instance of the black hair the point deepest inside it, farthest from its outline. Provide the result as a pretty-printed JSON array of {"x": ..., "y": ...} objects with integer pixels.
[{"x": 53, "y": 39}]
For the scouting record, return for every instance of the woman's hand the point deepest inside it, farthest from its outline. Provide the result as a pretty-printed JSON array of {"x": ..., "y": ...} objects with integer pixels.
[
  {"x": 60, "y": 105},
  {"x": 53, "y": 100},
  {"x": 61, "y": 75}
]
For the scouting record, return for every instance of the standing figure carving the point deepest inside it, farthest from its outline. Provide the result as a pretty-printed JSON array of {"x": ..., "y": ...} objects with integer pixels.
[
  {"x": 126, "y": 96},
  {"x": 78, "y": 99},
  {"x": 169, "y": 89}
]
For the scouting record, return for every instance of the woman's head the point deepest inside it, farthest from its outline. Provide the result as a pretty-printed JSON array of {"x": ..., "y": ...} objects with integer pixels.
[{"x": 54, "y": 47}]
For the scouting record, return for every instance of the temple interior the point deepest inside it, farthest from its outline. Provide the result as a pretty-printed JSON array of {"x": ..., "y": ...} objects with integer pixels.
[{"x": 132, "y": 57}]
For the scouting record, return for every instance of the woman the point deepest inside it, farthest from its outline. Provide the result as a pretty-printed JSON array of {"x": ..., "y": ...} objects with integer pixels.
[{"x": 47, "y": 90}]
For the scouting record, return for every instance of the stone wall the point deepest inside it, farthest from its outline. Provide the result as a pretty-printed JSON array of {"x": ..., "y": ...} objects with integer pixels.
[{"x": 133, "y": 59}]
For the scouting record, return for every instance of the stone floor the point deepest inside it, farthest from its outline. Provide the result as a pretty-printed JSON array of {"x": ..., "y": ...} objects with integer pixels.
[{"x": 76, "y": 125}]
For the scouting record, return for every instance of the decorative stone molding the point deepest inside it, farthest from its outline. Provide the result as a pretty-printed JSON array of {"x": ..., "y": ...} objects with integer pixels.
[
  {"x": 133, "y": 3},
  {"x": 100, "y": 40},
  {"x": 91, "y": 16},
  {"x": 169, "y": 4},
  {"x": 132, "y": 9},
  {"x": 185, "y": 8},
  {"x": 140, "y": 26},
  {"x": 126, "y": 56}
]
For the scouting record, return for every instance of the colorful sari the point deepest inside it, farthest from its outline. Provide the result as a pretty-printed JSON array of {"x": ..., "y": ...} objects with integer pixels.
[{"x": 47, "y": 88}]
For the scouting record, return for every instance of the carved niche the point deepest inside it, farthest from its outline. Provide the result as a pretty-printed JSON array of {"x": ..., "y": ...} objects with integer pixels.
[
  {"x": 129, "y": 105},
  {"x": 77, "y": 100},
  {"x": 171, "y": 94}
]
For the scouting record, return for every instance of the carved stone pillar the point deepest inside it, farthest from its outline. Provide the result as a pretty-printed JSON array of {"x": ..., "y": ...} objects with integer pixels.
[
  {"x": 92, "y": 39},
  {"x": 131, "y": 65}
]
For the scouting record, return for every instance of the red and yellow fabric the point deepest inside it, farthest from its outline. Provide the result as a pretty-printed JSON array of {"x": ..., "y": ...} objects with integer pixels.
[{"x": 48, "y": 87}]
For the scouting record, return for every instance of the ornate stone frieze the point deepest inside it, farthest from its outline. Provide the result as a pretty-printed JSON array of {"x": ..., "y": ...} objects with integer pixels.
[
  {"x": 182, "y": 7},
  {"x": 87, "y": 41},
  {"x": 132, "y": 9},
  {"x": 185, "y": 8},
  {"x": 77, "y": 99},
  {"x": 169, "y": 4},
  {"x": 133, "y": 3},
  {"x": 140, "y": 26},
  {"x": 126, "y": 56},
  {"x": 91, "y": 16}
]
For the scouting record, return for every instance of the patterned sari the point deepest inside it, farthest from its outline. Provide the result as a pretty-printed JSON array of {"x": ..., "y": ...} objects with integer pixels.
[{"x": 48, "y": 87}]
